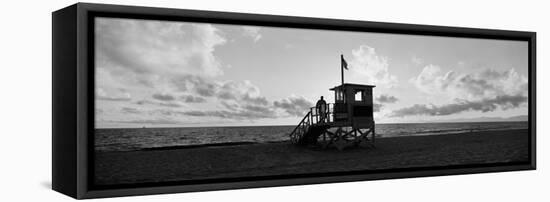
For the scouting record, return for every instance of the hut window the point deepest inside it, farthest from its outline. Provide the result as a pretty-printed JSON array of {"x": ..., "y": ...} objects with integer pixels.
[
  {"x": 359, "y": 95},
  {"x": 339, "y": 95}
]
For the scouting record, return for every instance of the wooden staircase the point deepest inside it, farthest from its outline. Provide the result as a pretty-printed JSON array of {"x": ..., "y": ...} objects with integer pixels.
[{"x": 310, "y": 128}]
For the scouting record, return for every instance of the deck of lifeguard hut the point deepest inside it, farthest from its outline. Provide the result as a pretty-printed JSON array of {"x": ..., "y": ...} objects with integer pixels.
[{"x": 350, "y": 117}]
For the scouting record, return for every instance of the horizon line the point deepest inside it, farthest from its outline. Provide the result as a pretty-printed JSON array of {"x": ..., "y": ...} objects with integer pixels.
[{"x": 229, "y": 126}]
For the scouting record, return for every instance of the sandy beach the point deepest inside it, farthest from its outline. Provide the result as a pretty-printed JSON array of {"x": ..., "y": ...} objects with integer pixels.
[{"x": 244, "y": 160}]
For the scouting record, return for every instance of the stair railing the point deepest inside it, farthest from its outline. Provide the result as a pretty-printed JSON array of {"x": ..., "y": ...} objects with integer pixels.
[
  {"x": 301, "y": 128},
  {"x": 311, "y": 118}
]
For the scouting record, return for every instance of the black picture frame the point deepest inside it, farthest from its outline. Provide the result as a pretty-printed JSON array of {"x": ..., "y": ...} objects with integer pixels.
[{"x": 73, "y": 98}]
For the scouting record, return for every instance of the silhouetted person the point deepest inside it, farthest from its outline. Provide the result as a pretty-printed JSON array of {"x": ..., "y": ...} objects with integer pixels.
[{"x": 321, "y": 109}]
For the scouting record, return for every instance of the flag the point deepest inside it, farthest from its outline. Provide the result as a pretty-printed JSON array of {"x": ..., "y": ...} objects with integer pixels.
[{"x": 344, "y": 63}]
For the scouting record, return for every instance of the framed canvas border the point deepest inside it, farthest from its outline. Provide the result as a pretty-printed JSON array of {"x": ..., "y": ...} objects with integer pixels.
[{"x": 73, "y": 99}]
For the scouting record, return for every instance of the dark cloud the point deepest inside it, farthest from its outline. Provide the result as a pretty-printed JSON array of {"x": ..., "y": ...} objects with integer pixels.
[
  {"x": 129, "y": 110},
  {"x": 251, "y": 109},
  {"x": 475, "y": 86},
  {"x": 255, "y": 100},
  {"x": 150, "y": 121},
  {"x": 295, "y": 106},
  {"x": 196, "y": 84},
  {"x": 248, "y": 110},
  {"x": 230, "y": 105},
  {"x": 250, "y": 114},
  {"x": 258, "y": 109},
  {"x": 170, "y": 104},
  {"x": 192, "y": 99},
  {"x": 233, "y": 111},
  {"x": 163, "y": 112},
  {"x": 386, "y": 99},
  {"x": 206, "y": 89},
  {"x": 240, "y": 99},
  {"x": 113, "y": 98},
  {"x": 382, "y": 100},
  {"x": 164, "y": 104},
  {"x": 377, "y": 107},
  {"x": 163, "y": 97},
  {"x": 241, "y": 91},
  {"x": 486, "y": 105},
  {"x": 226, "y": 96}
]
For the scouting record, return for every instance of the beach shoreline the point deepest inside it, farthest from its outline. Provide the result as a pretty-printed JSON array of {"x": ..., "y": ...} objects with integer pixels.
[
  {"x": 132, "y": 139},
  {"x": 230, "y": 160}
]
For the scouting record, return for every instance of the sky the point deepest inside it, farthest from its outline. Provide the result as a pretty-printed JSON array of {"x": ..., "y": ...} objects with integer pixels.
[{"x": 152, "y": 73}]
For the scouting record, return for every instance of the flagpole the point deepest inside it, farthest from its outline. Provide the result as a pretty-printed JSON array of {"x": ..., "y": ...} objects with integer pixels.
[{"x": 342, "y": 68}]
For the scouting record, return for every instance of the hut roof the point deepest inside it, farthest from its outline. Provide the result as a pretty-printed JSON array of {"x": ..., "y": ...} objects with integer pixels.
[{"x": 352, "y": 85}]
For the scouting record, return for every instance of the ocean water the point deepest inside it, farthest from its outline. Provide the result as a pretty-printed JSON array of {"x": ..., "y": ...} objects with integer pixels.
[{"x": 128, "y": 139}]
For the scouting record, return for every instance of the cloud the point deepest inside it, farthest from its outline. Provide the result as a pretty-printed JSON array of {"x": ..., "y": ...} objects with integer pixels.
[
  {"x": 159, "y": 103},
  {"x": 238, "y": 99},
  {"x": 382, "y": 100},
  {"x": 129, "y": 110},
  {"x": 149, "y": 51},
  {"x": 121, "y": 95},
  {"x": 240, "y": 109},
  {"x": 430, "y": 79},
  {"x": 252, "y": 32},
  {"x": 377, "y": 107},
  {"x": 233, "y": 111},
  {"x": 192, "y": 99},
  {"x": 386, "y": 99},
  {"x": 370, "y": 66},
  {"x": 177, "y": 59},
  {"x": 486, "y": 84},
  {"x": 207, "y": 90},
  {"x": 242, "y": 91},
  {"x": 257, "y": 100},
  {"x": 295, "y": 106},
  {"x": 169, "y": 100},
  {"x": 503, "y": 102},
  {"x": 250, "y": 110},
  {"x": 163, "y": 97},
  {"x": 484, "y": 91},
  {"x": 239, "y": 115},
  {"x": 160, "y": 121},
  {"x": 204, "y": 86}
]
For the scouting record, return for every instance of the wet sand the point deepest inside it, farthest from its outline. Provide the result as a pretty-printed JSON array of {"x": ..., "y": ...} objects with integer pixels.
[{"x": 281, "y": 158}]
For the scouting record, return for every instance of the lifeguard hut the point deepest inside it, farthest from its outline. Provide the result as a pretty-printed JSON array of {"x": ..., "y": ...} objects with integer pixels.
[{"x": 347, "y": 122}]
